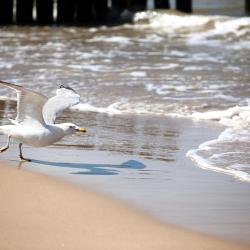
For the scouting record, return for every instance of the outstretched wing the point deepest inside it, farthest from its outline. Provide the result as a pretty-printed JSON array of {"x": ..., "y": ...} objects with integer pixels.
[
  {"x": 29, "y": 103},
  {"x": 65, "y": 97}
]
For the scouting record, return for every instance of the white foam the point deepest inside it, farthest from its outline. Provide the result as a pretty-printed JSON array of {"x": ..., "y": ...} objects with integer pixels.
[
  {"x": 166, "y": 66},
  {"x": 86, "y": 107},
  {"x": 86, "y": 55},
  {"x": 6, "y": 65},
  {"x": 184, "y": 92},
  {"x": 167, "y": 88},
  {"x": 232, "y": 25},
  {"x": 154, "y": 38},
  {"x": 177, "y": 53},
  {"x": 234, "y": 69},
  {"x": 199, "y": 29},
  {"x": 117, "y": 108},
  {"x": 173, "y": 22},
  {"x": 223, "y": 29},
  {"x": 93, "y": 30},
  {"x": 229, "y": 153},
  {"x": 138, "y": 73},
  {"x": 88, "y": 67},
  {"x": 110, "y": 39},
  {"x": 205, "y": 164},
  {"x": 236, "y": 116},
  {"x": 194, "y": 68},
  {"x": 240, "y": 45},
  {"x": 125, "y": 107}
]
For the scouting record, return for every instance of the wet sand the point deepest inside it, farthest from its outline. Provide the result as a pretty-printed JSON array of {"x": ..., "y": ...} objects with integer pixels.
[
  {"x": 39, "y": 212},
  {"x": 174, "y": 191}
]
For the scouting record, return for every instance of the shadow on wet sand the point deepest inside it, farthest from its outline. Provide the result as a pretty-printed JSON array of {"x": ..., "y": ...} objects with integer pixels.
[{"x": 93, "y": 169}]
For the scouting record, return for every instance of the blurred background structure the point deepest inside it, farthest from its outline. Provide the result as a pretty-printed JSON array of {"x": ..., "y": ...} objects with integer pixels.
[{"x": 92, "y": 11}]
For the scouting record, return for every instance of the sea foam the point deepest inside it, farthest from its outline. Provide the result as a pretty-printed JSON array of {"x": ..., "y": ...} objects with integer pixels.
[
  {"x": 229, "y": 153},
  {"x": 199, "y": 29}
]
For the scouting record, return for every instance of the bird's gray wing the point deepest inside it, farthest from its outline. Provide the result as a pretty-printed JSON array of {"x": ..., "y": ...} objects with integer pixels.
[
  {"x": 29, "y": 104},
  {"x": 65, "y": 97}
]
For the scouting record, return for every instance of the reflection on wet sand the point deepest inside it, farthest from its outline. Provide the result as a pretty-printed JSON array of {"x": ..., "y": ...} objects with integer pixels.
[{"x": 132, "y": 135}]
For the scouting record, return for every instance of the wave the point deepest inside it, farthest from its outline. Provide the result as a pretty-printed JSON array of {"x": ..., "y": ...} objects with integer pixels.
[
  {"x": 199, "y": 29},
  {"x": 121, "y": 108},
  {"x": 229, "y": 153},
  {"x": 170, "y": 21},
  {"x": 86, "y": 107},
  {"x": 125, "y": 107},
  {"x": 231, "y": 30},
  {"x": 108, "y": 39}
]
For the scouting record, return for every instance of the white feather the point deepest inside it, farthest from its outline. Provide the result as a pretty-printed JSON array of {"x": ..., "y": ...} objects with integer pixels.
[
  {"x": 64, "y": 98},
  {"x": 29, "y": 104}
]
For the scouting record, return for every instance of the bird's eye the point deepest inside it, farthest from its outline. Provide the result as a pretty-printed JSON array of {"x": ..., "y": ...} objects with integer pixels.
[{"x": 71, "y": 126}]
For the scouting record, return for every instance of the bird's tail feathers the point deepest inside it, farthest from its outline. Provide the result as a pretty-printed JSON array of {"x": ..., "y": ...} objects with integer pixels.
[{"x": 5, "y": 129}]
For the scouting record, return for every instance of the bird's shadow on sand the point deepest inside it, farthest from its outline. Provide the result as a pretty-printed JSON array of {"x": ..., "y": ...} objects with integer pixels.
[{"x": 94, "y": 169}]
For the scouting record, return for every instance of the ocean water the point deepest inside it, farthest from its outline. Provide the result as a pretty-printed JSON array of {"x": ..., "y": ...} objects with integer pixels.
[{"x": 166, "y": 64}]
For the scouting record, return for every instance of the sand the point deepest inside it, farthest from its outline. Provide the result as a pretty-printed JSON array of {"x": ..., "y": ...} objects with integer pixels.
[{"x": 40, "y": 212}]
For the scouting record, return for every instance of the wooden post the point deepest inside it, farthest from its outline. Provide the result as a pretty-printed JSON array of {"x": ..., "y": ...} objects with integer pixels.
[
  {"x": 44, "y": 10},
  {"x": 162, "y": 4},
  {"x": 120, "y": 5},
  {"x": 184, "y": 5},
  {"x": 24, "y": 10},
  {"x": 65, "y": 11},
  {"x": 84, "y": 11},
  {"x": 6, "y": 11},
  {"x": 138, "y": 5},
  {"x": 247, "y": 6},
  {"x": 101, "y": 9}
]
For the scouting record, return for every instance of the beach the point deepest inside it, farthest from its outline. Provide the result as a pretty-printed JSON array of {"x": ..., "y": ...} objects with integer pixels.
[
  {"x": 174, "y": 191},
  {"x": 165, "y": 160},
  {"x": 39, "y": 212}
]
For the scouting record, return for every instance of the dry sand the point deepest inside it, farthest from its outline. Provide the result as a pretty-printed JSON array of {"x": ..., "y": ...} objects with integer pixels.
[{"x": 39, "y": 212}]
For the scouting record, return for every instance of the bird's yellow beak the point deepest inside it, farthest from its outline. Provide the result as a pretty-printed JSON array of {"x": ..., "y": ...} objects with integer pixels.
[{"x": 83, "y": 130}]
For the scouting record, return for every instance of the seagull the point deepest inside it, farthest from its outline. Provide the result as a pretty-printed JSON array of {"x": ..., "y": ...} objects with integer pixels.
[{"x": 36, "y": 114}]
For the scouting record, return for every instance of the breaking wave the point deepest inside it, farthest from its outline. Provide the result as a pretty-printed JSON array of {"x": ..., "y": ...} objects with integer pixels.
[
  {"x": 198, "y": 29},
  {"x": 229, "y": 153}
]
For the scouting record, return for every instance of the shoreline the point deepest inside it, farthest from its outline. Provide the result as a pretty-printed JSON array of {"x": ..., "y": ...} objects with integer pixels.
[
  {"x": 59, "y": 215},
  {"x": 175, "y": 191}
]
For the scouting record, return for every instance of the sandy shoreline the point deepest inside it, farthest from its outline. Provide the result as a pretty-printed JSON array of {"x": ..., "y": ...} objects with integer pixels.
[
  {"x": 175, "y": 192},
  {"x": 38, "y": 212}
]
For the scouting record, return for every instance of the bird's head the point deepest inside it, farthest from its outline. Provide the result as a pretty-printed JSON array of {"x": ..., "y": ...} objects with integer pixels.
[{"x": 71, "y": 128}]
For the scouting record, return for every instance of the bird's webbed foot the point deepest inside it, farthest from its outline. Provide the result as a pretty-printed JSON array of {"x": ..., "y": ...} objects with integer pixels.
[
  {"x": 21, "y": 153},
  {"x": 3, "y": 149},
  {"x": 23, "y": 159}
]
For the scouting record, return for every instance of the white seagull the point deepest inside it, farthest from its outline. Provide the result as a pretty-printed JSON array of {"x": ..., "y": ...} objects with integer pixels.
[{"x": 36, "y": 114}]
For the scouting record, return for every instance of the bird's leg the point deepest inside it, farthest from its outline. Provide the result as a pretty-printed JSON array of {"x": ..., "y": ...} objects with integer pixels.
[
  {"x": 21, "y": 154},
  {"x": 4, "y": 148}
]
